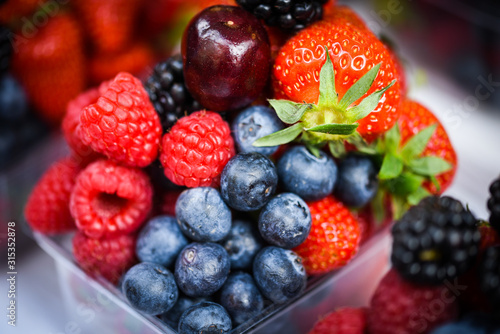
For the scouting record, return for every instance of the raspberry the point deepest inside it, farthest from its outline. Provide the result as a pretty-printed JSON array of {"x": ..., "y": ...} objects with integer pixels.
[
  {"x": 122, "y": 124},
  {"x": 399, "y": 307},
  {"x": 434, "y": 241},
  {"x": 109, "y": 258},
  {"x": 71, "y": 121},
  {"x": 196, "y": 150},
  {"x": 342, "y": 321},
  {"x": 47, "y": 209},
  {"x": 109, "y": 199}
]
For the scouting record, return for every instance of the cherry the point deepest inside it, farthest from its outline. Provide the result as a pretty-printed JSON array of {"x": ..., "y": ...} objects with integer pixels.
[{"x": 226, "y": 55}]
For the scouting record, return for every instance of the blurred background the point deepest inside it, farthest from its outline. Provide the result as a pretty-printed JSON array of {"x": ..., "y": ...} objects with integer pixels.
[{"x": 51, "y": 50}]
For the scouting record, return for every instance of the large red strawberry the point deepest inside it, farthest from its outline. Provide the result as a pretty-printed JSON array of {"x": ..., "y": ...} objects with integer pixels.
[
  {"x": 133, "y": 59},
  {"x": 109, "y": 23},
  {"x": 414, "y": 118},
  {"x": 417, "y": 157},
  {"x": 358, "y": 87},
  {"x": 51, "y": 66},
  {"x": 334, "y": 237}
]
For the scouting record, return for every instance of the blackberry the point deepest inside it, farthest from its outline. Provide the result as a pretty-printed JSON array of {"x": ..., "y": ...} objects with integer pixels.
[
  {"x": 436, "y": 240},
  {"x": 286, "y": 14},
  {"x": 5, "y": 49},
  {"x": 490, "y": 275},
  {"x": 168, "y": 93},
  {"x": 494, "y": 205}
]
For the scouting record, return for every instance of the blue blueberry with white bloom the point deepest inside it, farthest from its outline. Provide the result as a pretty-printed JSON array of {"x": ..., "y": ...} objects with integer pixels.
[
  {"x": 279, "y": 274},
  {"x": 285, "y": 221},
  {"x": 241, "y": 297},
  {"x": 150, "y": 288},
  {"x": 202, "y": 214},
  {"x": 205, "y": 317},
  {"x": 253, "y": 123},
  {"x": 357, "y": 180},
  {"x": 242, "y": 244},
  {"x": 183, "y": 303},
  {"x": 248, "y": 181},
  {"x": 160, "y": 241},
  {"x": 306, "y": 175},
  {"x": 201, "y": 269}
]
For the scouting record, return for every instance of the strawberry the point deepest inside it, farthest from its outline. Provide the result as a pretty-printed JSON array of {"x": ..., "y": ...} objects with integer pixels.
[
  {"x": 346, "y": 320},
  {"x": 334, "y": 237},
  {"x": 355, "y": 92},
  {"x": 417, "y": 158},
  {"x": 414, "y": 118},
  {"x": 51, "y": 66},
  {"x": 109, "y": 23},
  {"x": 12, "y": 10},
  {"x": 133, "y": 59}
]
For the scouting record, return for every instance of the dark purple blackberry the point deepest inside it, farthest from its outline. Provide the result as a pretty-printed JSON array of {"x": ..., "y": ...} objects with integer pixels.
[
  {"x": 494, "y": 205},
  {"x": 436, "y": 240},
  {"x": 490, "y": 275},
  {"x": 5, "y": 49},
  {"x": 168, "y": 93},
  {"x": 286, "y": 14}
]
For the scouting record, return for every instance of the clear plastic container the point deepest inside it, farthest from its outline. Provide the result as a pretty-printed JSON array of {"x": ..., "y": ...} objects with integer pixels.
[{"x": 100, "y": 305}]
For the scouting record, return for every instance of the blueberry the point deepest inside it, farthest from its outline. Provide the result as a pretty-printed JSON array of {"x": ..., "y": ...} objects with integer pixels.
[
  {"x": 302, "y": 173},
  {"x": 242, "y": 244},
  {"x": 150, "y": 288},
  {"x": 248, "y": 181},
  {"x": 279, "y": 274},
  {"x": 241, "y": 297},
  {"x": 205, "y": 317},
  {"x": 253, "y": 123},
  {"x": 201, "y": 269},
  {"x": 357, "y": 181},
  {"x": 285, "y": 221},
  {"x": 13, "y": 101},
  {"x": 183, "y": 303},
  {"x": 203, "y": 215},
  {"x": 160, "y": 241}
]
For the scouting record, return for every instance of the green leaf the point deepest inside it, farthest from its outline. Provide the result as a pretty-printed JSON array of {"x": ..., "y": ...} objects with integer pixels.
[
  {"x": 405, "y": 184},
  {"x": 415, "y": 197},
  {"x": 337, "y": 148},
  {"x": 392, "y": 139},
  {"x": 379, "y": 208},
  {"x": 391, "y": 168},
  {"x": 399, "y": 206},
  {"x": 359, "y": 88},
  {"x": 430, "y": 166},
  {"x": 334, "y": 128},
  {"x": 368, "y": 104},
  {"x": 289, "y": 112},
  {"x": 313, "y": 149},
  {"x": 280, "y": 137},
  {"x": 361, "y": 145},
  {"x": 327, "y": 94},
  {"x": 416, "y": 145}
]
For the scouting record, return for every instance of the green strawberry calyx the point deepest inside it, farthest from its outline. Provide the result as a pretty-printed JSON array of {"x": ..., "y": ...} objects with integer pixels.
[
  {"x": 403, "y": 169},
  {"x": 331, "y": 120}
]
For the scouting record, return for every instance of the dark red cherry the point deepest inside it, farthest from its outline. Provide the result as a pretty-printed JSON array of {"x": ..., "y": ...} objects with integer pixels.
[{"x": 226, "y": 55}]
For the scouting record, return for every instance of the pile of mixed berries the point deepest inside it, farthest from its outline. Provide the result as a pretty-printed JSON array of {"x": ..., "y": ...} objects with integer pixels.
[{"x": 256, "y": 158}]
